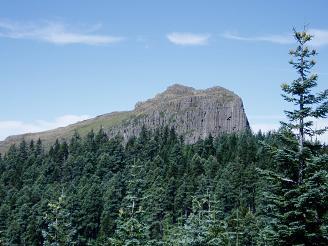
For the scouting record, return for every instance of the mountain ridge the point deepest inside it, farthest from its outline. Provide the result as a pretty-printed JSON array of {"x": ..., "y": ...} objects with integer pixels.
[{"x": 193, "y": 113}]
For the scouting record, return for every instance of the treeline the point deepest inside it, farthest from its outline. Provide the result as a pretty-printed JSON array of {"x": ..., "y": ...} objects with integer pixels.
[
  {"x": 155, "y": 179},
  {"x": 155, "y": 190}
]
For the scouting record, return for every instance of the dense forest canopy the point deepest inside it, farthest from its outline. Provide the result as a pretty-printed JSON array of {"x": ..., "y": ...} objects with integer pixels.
[
  {"x": 155, "y": 182},
  {"x": 154, "y": 189},
  {"x": 237, "y": 189}
]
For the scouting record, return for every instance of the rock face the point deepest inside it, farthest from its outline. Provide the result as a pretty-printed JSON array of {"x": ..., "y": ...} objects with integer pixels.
[{"x": 194, "y": 114}]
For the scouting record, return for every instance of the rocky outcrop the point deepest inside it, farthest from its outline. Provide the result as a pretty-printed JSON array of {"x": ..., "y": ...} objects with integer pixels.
[{"x": 194, "y": 114}]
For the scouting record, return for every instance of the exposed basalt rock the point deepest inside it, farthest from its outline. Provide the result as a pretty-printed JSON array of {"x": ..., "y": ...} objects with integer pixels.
[{"x": 193, "y": 113}]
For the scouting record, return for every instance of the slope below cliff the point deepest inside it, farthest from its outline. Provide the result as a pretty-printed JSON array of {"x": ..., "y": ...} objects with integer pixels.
[{"x": 194, "y": 114}]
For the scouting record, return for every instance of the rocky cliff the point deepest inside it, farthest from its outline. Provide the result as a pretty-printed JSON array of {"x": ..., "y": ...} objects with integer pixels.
[{"x": 194, "y": 114}]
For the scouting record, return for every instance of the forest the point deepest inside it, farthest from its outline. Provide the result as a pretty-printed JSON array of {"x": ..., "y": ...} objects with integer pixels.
[
  {"x": 238, "y": 189},
  {"x": 156, "y": 190}
]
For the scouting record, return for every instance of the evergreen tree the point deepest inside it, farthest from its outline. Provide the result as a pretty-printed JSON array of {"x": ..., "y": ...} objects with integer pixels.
[
  {"x": 91, "y": 209},
  {"x": 112, "y": 201},
  {"x": 130, "y": 231},
  {"x": 300, "y": 93},
  {"x": 59, "y": 227},
  {"x": 297, "y": 191}
]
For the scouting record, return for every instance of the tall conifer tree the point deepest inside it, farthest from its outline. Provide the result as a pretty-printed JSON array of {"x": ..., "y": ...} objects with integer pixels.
[{"x": 297, "y": 193}]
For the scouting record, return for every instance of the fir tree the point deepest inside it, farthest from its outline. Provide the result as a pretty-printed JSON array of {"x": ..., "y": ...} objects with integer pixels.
[
  {"x": 59, "y": 228},
  {"x": 297, "y": 193},
  {"x": 300, "y": 93}
]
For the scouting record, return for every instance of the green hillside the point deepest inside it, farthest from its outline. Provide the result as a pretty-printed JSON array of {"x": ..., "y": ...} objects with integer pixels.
[{"x": 49, "y": 137}]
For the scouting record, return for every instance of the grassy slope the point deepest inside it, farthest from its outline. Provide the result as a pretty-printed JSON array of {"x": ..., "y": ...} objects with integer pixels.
[{"x": 49, "y": 137}]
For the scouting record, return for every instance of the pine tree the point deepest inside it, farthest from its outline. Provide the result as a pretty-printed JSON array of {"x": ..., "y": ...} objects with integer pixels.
[
  {"x": 59, "y": 228},
  {"x": 297, "y": 189},
  {"x": 130, "y": 230},
  {"x": 112, "y": 200},
  {"x": 300, "y": 92},
  {"x": 202, "y": 226},
  {"x": 91, "y": 209}
]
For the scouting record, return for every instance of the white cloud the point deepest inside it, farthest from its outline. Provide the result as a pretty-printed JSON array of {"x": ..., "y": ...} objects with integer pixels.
[
  {"x": 320, "y": 38},
  {"x": 188, "y": 38},
  {"x": 8, "y": 128},
  {"x": 55, "y": 32},
  {"x": 280, "y": 39}
]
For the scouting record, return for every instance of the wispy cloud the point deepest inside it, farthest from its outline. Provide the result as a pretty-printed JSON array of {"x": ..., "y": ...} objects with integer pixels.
[
  {"x": 8, "y": 128},
  {"x": 55, "y": 32},
  {"x": 279, "y": 39},
  {"x": 180, "y": 38},
  {"x": 320, "y": 38}
]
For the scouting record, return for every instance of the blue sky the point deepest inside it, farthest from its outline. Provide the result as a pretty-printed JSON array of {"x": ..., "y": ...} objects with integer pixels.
[{"x": 63, "y": 61}]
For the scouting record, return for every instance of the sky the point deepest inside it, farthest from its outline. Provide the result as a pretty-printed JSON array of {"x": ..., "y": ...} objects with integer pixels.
[{"x": 65, "y": 61}]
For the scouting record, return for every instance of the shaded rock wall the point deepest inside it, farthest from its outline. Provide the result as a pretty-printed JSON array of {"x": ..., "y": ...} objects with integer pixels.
[{"x": 194, "y": 113}]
